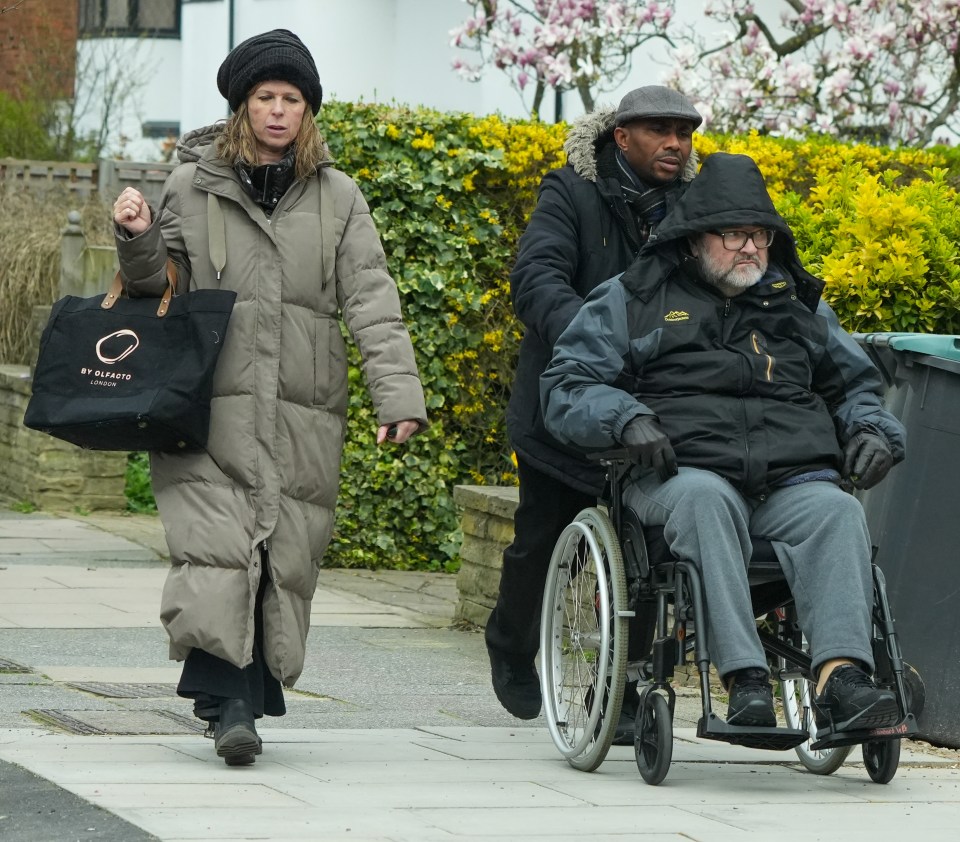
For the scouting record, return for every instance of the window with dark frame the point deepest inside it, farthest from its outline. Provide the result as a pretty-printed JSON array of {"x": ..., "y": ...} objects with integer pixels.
[{"x": 130, "y": 18}]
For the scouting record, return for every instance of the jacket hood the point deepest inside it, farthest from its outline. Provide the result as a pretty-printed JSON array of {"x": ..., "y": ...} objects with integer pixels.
[
  {"x": 729, "y": 191},
  {"x": 192, "y": 145},
  {"x": 594, "y": 130}
]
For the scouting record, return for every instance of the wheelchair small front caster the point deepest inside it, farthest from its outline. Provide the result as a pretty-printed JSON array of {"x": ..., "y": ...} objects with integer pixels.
[
  {"x": 653, "y": 738},
  {"x": 881, "y": 757}
]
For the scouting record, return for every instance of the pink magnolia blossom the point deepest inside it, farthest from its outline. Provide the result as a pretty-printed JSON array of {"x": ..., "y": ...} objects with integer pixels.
[
  {"x": 562, "y": 44},
  {"x": 853, "y": 68}
]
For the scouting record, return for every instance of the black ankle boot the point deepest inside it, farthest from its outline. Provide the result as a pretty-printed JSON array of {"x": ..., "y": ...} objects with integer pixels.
[{"x": 235, "y": 734}]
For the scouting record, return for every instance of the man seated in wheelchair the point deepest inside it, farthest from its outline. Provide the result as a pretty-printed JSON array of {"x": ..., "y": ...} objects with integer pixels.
[{"x": 748, "y": 410}]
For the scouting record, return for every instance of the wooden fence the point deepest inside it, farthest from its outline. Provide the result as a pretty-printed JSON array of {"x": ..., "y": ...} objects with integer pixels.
[{"x": 106, "y": 176}]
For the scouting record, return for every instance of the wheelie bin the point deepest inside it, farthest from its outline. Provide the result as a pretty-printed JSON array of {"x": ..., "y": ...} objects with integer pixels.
[{"x": 914, "y": 517}]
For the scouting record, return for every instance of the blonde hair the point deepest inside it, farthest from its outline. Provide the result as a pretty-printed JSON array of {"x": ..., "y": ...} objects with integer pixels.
[{"x": 237, "y": 143}]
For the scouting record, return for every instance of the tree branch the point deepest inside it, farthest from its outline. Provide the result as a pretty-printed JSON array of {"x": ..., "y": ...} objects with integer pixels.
[
  {"x": 521, "y": 8},
  {"x": 740, "y": 34},
  {"x": 538, "y": 98},
  {"x": 791, "y": 45},
  {"x": 951, "y": 106},
  {"x": 12, "y": 8}
]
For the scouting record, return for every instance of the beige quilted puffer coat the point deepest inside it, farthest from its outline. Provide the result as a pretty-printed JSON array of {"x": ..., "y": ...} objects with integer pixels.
[{"x": 271, "y": 469}]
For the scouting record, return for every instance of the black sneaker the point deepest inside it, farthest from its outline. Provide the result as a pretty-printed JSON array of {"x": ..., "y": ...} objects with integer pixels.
[
  {"x": 751, "y": 699},
  {"x": 516, "y": 685},
  {"x": 850, "y": 701}
]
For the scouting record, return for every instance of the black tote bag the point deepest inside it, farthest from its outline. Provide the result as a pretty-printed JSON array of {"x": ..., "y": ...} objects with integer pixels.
[{"x": 118, "y": 373}]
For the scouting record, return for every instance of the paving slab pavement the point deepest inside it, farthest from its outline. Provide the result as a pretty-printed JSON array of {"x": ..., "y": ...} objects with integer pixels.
[{"x": 393, "y": 732}]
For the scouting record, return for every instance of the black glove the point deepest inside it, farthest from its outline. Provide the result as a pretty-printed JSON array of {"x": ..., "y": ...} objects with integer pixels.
[
  {"x": 649, "y": 445},
  {"x": 866, "y": 459}
]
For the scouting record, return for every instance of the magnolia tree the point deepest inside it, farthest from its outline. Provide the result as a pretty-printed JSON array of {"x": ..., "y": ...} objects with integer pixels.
[
  {"x": 582, "y": 45},
  {"x": 880, "y": 70}
]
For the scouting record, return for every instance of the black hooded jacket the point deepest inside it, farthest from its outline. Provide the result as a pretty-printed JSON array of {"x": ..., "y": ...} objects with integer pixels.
[
  {"x": 580, "y": 234},
  {"x": 759, "y": 388}
]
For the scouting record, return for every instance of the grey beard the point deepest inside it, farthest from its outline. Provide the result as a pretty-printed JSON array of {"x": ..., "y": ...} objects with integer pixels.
[{"x": 731, "y": 282}]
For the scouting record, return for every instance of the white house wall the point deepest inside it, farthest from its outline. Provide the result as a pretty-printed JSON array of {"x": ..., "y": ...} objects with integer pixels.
[
  {"x": 369, "y": 50},
  {"x": 151, "y": 66}
]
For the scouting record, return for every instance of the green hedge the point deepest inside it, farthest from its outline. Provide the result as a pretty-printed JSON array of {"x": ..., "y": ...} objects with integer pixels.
[{"x": 449, "y": 194}]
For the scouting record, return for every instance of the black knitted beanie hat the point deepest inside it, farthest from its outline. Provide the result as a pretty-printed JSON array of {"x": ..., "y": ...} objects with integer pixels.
[{"x": 279, "y": 55}]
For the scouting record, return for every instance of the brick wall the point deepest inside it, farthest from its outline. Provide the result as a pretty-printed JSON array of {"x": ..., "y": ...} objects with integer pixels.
[
  {"x": 38, "y": 46},
  {"x": 487, "y": 524}
]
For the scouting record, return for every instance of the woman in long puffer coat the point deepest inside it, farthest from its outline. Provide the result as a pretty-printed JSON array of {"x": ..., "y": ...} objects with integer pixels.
[{"x": 256, "y": 207}]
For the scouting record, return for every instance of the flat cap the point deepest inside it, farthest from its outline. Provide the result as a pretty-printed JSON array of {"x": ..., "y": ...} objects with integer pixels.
[{"x": 656, "y": 101}]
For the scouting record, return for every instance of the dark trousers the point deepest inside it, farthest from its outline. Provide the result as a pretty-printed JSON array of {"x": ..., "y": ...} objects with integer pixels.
[
  {"x": 546, "y": 507},
  {"x": 208, "y": 679}
]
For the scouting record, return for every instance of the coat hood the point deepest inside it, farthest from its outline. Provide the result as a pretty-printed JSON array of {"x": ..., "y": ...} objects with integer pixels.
[
  {"x": 594, "y": 130},
  {"x": 192, "y": 145},
  {"x": 729, "y": 191}
]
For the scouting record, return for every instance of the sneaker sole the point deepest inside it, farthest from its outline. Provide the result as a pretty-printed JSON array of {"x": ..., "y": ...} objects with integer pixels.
[
  {"x": 754, "y": 715},
  {"x": 883, "y": 713},
  {"x": 519, "y": 712},
  {"x": 752, "y": 722}
]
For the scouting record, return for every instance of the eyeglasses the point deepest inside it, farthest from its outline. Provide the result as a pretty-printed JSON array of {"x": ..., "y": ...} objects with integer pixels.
[{"x": 736, "y": 240}]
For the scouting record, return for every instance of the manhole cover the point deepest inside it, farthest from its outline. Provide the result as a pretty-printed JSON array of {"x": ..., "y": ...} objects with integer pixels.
[
  {"x": 125, "y": 691},
  {"x": 11, "y": 666},
  {"x": 87, "y": 722}
]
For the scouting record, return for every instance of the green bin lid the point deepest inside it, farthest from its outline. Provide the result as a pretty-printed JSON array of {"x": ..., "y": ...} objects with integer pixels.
[{"x": 931, "y": 344}]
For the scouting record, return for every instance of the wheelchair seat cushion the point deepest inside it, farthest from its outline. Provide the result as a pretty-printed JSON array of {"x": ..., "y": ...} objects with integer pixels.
[{"x": 763, "y": 562}]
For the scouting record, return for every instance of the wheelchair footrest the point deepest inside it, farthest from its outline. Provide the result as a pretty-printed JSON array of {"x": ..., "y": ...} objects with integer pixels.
[
  {"x": 773, "y": 739},
  {"x": 826, "y": 738}
]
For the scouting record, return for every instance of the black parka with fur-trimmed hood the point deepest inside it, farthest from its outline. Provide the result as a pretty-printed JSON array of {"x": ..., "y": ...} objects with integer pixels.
[{"x": 579, "y": 236}]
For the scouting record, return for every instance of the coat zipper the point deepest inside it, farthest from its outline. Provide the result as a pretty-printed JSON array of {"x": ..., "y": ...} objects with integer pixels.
[{"x": 755, "y": 342}]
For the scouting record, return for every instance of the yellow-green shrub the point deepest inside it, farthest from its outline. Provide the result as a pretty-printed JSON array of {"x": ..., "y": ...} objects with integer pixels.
[{"x": 450, "y": 194}]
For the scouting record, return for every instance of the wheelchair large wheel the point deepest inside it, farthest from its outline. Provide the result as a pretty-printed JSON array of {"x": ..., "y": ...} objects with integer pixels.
[
  {"x": 583, "y": 640},
  {"x": 881, "y": 758},
  {"x": 796, "y": 694},
  {"x": 653, "y": 738}
]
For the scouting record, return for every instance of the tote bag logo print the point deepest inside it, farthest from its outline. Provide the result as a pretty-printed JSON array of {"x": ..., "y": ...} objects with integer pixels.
[{"x": 132, "y": 345}]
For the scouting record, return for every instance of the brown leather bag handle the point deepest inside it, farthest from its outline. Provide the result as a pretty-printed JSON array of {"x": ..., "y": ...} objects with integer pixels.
[{"x": 116, "y": 290}]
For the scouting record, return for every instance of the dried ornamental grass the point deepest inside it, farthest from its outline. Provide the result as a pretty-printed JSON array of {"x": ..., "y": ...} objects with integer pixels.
[{"x": 30, "y": 229}]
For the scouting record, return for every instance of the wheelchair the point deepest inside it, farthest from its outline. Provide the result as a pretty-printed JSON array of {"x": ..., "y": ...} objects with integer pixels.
[{"x": 605, "y": 569}]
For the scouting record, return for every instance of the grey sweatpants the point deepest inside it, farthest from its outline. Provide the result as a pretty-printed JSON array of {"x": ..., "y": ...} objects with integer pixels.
[{"x": 819, "y": 534}]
